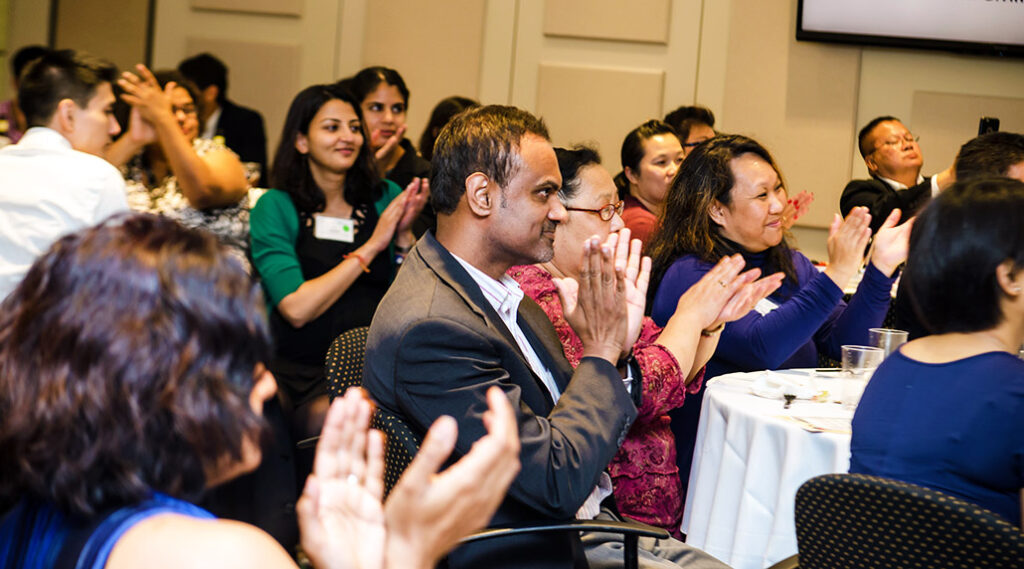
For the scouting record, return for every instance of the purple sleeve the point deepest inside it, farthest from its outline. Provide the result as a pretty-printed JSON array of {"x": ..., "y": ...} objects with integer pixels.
[
  {"x": 759, "y": 341},
  {"x": 849, "y": 324}
]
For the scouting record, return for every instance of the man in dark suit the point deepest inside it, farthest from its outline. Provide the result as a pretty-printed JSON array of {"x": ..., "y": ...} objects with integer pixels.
[
  {"x": 241, "y": 128},
  {"x": 894, "y": 159},
  {"x": 453, "y": 324}
]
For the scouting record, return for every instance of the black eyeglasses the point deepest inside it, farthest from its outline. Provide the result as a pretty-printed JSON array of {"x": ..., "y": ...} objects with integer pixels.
[{"x": 606, "y": 212}]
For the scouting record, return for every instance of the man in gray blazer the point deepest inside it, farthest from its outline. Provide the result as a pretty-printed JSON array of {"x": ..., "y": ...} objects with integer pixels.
[{"x": 453, "y": 324}]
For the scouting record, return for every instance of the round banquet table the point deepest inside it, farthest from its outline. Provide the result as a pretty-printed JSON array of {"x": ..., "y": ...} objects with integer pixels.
[{"x": 750, "y": 457}]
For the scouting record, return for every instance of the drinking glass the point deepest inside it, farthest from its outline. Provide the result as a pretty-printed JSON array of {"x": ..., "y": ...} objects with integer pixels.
[
  {"x": 887, "y": 339},
  {"x": 859, "y": 362}
]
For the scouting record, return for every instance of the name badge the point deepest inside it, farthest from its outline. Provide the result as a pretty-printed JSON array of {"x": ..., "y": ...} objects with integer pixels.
[
  {"x": 764, "y": 306},
  {"x": 334, "y": 228}
]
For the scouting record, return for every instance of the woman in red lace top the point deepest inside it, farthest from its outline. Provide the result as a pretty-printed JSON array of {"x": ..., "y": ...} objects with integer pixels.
[{"x": 670, "y": 360}]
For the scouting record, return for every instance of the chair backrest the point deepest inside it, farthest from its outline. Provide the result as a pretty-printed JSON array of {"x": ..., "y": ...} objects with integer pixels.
[
  {"x": 401, "y": 444},
  {"x": 345, "y": 359},
  {"x": 856, "y": 520}
]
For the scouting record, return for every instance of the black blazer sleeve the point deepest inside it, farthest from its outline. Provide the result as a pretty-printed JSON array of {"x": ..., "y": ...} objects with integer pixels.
[{"x": 880, "y": 199}]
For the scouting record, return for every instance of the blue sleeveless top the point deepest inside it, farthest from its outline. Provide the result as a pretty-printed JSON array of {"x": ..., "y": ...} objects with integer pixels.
[{"x": 36, "y": 535}]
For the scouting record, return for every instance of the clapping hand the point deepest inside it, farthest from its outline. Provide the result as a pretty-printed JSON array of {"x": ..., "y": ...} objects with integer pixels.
[
  {"x": 595, "y": 305},
  {"x": 637, "y": 270},
  {"x": 795, "y": 207},
  {"x": 847, "y": 240},
  {"x": 417, "y": 194},
  {"x": 144, "y": 94},
  {"x": 389, "y": 144},
  {"x": 340, "y": 514},
  {"x": 891, "y": 244}
]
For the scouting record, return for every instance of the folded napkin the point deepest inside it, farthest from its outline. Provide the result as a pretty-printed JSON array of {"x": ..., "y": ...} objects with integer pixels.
[{"x": 772, "y": 385}]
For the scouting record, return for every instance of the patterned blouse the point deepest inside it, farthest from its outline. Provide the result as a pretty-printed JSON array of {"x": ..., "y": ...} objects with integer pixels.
[
  {"x": 230, "y": 223},
  {"x": 644, "y": 473}
]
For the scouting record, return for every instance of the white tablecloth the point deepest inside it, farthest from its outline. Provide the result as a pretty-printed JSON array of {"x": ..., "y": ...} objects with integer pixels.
[{"x": 748, "y": 464}]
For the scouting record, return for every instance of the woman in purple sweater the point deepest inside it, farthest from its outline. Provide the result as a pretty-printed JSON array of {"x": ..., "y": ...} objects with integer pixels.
[{"x": 729, "y": 198}]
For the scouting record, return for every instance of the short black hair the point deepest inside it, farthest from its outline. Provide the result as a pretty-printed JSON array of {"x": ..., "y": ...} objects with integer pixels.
[
  {"x": 102, "y": 403},
  {"x": 989, "y": 155},
  {"x": 482, "y": 139},
  {"x": 367, "y": 80},
  {"x": 684, "y": 118},
  {"x": 205, "y": 70},
  {"x": 23, "y": 57},
  {"x": 862, "y": 136},
  {"x": 59, "y": 75},
  {"x": 570, "y": 161},
  {"x": 955, "y": 246}
]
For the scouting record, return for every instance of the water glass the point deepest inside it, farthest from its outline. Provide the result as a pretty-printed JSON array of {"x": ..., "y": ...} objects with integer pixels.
[
  {"x": 859, "y": 363},
  {"x": 887, "y": 339}
]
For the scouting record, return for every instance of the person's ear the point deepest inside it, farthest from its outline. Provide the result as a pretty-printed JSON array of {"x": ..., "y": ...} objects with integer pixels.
[
  {"x": 631, "y": 175},
  {"x": 1010, "y": 278},
  {"x": 64, "y": 117},
  {"x": 478, "y": 194},
  {"x": 717, "y": 212},
  {"x": 302, "y": 143},
  {"x": 869, "y": 161}
]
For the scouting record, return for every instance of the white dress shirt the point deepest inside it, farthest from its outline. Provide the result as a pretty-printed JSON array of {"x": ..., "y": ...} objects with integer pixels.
[{"x": 48, "y": 189}]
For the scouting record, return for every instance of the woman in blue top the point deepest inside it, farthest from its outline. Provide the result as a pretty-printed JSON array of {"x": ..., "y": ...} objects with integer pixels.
[
  {"x": 131, "y": 380},
  {"x": 728, "y": 198},
  {"x": 946, "y": 411},
  {"x": 322, "y": 241}
]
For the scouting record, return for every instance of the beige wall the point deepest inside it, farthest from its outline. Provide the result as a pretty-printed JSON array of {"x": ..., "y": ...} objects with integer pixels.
[{"x": 593, "y": 81}]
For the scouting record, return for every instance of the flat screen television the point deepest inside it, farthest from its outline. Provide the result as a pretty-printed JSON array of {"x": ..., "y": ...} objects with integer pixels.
[{"x": 985, "y": 27}]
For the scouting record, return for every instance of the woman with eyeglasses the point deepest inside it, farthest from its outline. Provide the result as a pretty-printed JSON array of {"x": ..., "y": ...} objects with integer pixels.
[
  {"x": 173, "y": 172},
  {"x": 651, "y": 154},
  {"x": 670, "y": 361}
]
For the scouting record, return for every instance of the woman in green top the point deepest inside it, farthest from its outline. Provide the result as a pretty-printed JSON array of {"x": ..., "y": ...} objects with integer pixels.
[{"x": 321, "y": 241}]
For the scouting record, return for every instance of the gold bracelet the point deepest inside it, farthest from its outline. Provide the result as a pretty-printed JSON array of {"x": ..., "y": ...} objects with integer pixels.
[{"x": 713, "y": 331}]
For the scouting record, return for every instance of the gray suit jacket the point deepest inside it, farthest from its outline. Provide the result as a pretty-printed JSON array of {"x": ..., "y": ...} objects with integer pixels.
[{"x": 436, "y": 345}]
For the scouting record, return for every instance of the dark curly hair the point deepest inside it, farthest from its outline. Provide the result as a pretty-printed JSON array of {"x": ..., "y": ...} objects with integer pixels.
[
  {"x": 290, "y": 172},
  {"x": 127, "y": 357},
  {"x": 686, "y": 227}
]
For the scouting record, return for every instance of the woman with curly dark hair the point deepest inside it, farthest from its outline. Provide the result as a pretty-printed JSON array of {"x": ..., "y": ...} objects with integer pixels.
[
  {"x": 131, "y": 380},
  {"x": 322, "y": 241}
]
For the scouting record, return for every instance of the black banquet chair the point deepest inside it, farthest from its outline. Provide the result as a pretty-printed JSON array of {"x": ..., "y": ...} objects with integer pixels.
[{"x": 856, "y": 520}]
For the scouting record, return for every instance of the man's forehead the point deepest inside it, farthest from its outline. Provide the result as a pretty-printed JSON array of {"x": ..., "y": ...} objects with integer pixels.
[
  {"x": 886, "y": 128},
  {"x": 103, "y": 95},
  {"x": 538, "y": 157}
]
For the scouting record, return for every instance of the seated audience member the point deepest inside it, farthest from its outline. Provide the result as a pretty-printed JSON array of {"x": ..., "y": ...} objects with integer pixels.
[
  {"x": 894, "y": 160},
  {"x": 728, "y": 199},
  {"x": 454, "y": 324},
  {"x": 996, "y": 154},
  {"x": 670, "y": 360},
  {"x": 12, "y": 120},
  {"x": 240, "y": 128},
  {"x": 947, "y": 411},
  {"x": 171, "y": 170},
  {"x": 322, "y": 242},
  {"x": 693, "y": 125},
  {"x": 384, "y": 100},
  {"x": 172, "y": 363},
  {"x": 54, "y": 180},
  {"x": 443, "y": 112},
  {"x": 651, "y": 154}
]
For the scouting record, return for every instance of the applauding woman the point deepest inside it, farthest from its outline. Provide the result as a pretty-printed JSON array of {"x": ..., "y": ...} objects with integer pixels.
[
  {"x": 729, "y": 198},
  {"x": 322, "y": 240},
  {"x": 173, "y": 172},
  {"x": 670, "y": 360}
]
